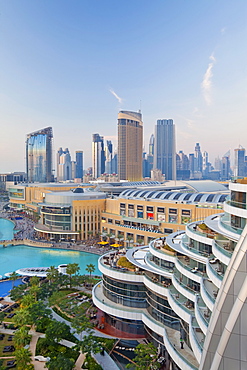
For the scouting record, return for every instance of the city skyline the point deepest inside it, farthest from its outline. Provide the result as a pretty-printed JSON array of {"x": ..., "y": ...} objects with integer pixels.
[{"x": 74, "y": 68}]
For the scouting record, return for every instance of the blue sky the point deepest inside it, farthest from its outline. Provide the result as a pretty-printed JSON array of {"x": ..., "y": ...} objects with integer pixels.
[{"x": 74, "y": 64}]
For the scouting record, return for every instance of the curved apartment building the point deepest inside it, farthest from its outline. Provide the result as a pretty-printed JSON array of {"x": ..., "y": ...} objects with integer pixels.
[{"x": 186, "y": 290}]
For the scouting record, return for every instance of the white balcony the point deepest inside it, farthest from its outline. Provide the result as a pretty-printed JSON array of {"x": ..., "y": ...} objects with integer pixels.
[
  {"x": 187, "y": 270},
  {"x": 184, "y": 358},
  {"x": 201, "y": 315},
  {"x": 118, "y": 273},
  {"x": 184, "y": 290},
  {"x": 196, "y": 340},
  {"x": 215, "y": 273},
  {"x": 115, "y": 309},
  {"x": 178, "y": 305},
  {"x": 219, "y": 251},
  {"x": 208, "y": 293}
]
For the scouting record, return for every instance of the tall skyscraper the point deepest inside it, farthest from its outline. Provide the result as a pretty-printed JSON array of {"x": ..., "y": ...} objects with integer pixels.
[
  {"x": 98, "y": 156},
  {"x": 39, "y": 155},
  {"x": 225, "y": 167},
  {"x": 79, "y": 164},
  {"x": 130, "y": 143},
  {"x": 198, "y": 158},
  {"x": 239, "y": 162},
  {"x": 64, "y": 165},
  {"x": 164, "y": 148},
  {"x": 108, "y": 157}
]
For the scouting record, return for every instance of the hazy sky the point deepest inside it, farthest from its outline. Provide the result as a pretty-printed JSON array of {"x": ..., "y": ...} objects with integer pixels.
[{"x": 74, "y": 64}]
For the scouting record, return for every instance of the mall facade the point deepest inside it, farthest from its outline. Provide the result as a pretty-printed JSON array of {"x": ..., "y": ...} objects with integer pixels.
[{"x": 139, "y": 214}]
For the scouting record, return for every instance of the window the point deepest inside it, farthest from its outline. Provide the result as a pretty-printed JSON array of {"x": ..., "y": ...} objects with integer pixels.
[
  {"x": 185, "y": 219},
  {"x": 140, "y": 208},
  {"x": 122, "y": 212},
  {"x": 173, "y": 211},
  {"x": 139, "y": 214},
  {"x": 186, "y": 212},
  {"x": 150, "y": 209},
  {"x": 168, "y": 231},
  {"x": 131, "y": 213},
  {"x": 130, "y": 206},
  {"x": 161, "y": 217},
  {"x": 173, "y": 219},
  {"x": 109, "y": 221},
  {"x": 122, "y": 205},
  {"x": 160, "y": 210}
]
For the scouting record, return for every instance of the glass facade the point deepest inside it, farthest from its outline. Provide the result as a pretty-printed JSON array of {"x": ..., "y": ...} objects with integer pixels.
[{"x": 39, "y": 155}]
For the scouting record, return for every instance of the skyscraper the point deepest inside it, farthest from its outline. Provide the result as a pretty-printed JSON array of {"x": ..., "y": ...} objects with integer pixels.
[
  {"x": 198, "y": 158},
  {"x": 79, "y": 164},
  {"x": 98, "y": 155},
  {"x": 108, "y": 156},
  {"x": 164, "y": 148},
  {"x": 64, "y": 165},
  {"x": 130, "y": 143},
  {"x": 239, "y": 162},
  {"x": 39, "y": 155}
]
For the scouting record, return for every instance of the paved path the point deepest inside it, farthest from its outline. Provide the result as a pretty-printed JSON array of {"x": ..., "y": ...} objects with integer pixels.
[{"x": 106, "y": 362}]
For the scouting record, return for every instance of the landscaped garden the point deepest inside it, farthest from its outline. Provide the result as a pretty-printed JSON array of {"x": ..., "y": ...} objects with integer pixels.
[{"x": 63, "y": 294}]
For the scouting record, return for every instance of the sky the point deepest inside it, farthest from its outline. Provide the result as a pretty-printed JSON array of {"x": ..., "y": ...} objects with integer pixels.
[{"x": 74, "y": 64}]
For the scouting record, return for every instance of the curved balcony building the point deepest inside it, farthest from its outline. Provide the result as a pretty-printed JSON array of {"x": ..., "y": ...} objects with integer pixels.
[{"x": 190, "y": 286}]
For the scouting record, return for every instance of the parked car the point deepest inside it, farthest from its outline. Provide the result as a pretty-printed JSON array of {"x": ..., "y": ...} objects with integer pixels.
[{"x": 41, "y": 358}]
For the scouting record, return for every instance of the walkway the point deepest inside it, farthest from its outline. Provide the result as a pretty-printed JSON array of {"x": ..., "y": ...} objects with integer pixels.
[{"x": 105, "y": 361}]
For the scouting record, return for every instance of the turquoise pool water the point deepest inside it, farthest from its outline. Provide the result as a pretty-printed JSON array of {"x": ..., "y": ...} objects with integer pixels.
[{"x": 15, "y": 257}]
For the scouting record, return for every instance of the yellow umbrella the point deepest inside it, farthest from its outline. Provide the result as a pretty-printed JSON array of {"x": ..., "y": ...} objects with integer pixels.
[
  {"x": 115, "y": 245},
  {"x": 103, "y": 243}
]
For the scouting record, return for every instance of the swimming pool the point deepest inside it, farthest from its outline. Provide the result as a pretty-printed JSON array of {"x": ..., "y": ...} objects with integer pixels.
[
  {"x": 6, "y": 286},
  {"x": 21, "y": 256}
]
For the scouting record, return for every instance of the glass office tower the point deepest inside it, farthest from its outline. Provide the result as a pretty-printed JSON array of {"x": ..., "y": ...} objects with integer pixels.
[{"x": 39, "y": 155}]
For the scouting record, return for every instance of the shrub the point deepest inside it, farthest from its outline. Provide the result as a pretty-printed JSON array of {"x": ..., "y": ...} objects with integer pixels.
[{"x": 123, "y": 262}]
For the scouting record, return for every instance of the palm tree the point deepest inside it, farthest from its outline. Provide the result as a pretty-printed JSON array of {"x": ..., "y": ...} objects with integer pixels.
[
  {"x": 140, "y": 241},
  {"x": 71, "y": 269},
  {"x": 13, "y": 276},
  {"x": 52, "y": 274},
  {"x": 21, "y": 338},
  {"x": 34, "y": 281},
  {"x": 90, "y": 268},
  {"x": 23, "y": 358},
  {"x": 21, "y": 317}
]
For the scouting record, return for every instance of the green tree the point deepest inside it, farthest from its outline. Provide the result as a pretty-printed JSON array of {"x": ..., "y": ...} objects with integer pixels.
[
  {"x": 23, "y": 358},
  {"x": 13, "y": 276},
  {"x": 56, "y": 331},
  {"x": 90, "y": 268},
  {"x": 21, "y": 337},
  {"x": 17, "y": 292},
  {"x": 2, "y": 315},
  {"x": 89, "y": 344},
  {"x": 52, "y": 274},
  {"x": 146, "y": 357},
  {"x": 22, "y": 317},
  {"x": 60, "y": 362},
  {"x": 72, "y": 268},
  {"x": 38, "y": 311},
  {"x": 34, "y": 291},
  {"x": 81, "y": 322},
  {"x": 27, "y": 300},
  {"x": 34, "y": 281}
]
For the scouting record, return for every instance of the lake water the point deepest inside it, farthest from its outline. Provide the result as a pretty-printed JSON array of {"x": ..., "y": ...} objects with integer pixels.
[{"x": 21, "y": 256}]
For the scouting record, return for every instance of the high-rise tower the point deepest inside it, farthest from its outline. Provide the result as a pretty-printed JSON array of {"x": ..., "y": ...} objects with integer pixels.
[
  {"x": 108, "y": 156},
  {"x": 39, "y": 155},
  {"x": 130, "y": 142},
  {"x": 239, "y": 162},
  {"x": 79, "y": 164},
  {"x": 98, "y": 155},
  {"x": 164, "y": 148},
  {"x": 64, "y": 165}
]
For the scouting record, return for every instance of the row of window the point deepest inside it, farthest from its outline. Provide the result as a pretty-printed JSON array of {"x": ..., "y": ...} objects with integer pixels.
[{"x": 171, "y": 219}]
